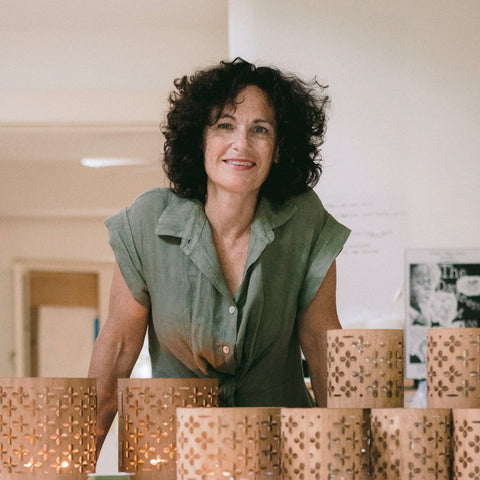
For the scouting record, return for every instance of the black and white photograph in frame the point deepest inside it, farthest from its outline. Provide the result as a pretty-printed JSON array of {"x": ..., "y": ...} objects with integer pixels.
[{"x": 442, "y": 290}]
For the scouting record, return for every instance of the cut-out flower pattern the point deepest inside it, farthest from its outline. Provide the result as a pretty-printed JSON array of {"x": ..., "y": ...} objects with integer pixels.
[
  {"x": 452, "y": 373},
  {"x": 475, "y": 475},
  {"x": 465, "y": 358},
  {"x": 465, "y": 428},
  {"x": 465, "y": 388},
  {"x": 464, "y": 459},
  {"x": 337, "y": 374},
  {"x": 451, "y": 343},
  {"x": 348, "y": 358},
  {"x": 361, "y": 344},
  {"x": 440, "y": 357},
  {"x": 337, "y": 344},
  {"x": 474, "y": 444},
  {"x": 440, "y": 388},
  {"x": 348, "y": 388}
]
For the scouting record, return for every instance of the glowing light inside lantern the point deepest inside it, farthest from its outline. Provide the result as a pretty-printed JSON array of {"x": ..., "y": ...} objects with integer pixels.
[{"x": 158, "y": 460}]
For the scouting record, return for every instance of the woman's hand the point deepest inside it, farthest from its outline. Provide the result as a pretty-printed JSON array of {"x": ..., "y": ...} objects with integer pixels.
[
  {"x": 313, "y": 324},
  {"x": 116, "y": 350}
]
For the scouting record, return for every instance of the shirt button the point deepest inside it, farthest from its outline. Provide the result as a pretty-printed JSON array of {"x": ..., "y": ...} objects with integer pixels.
[
  {"x": 232, "y": 309},
  {"x": 226, "y": 350}
]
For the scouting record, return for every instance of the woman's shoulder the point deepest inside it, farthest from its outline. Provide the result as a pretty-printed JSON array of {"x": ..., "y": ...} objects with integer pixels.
[
  {"x": 303, "y": 212},
  {"x": 155, "y": 196},
  {"x": 311, "y": 211},
  {"x": 309, "y": 207},
  {"x": 308, "y": 198},
  {"x": 150, "y": 203},
  {"x": 311, "y": 214}
]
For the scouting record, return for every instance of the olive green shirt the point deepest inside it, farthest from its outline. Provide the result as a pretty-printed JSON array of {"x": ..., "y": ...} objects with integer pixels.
[{"x": 164, "y": 248}]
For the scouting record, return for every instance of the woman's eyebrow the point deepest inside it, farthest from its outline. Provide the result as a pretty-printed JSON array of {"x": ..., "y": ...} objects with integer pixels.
[
  {"x": 232, "y": 116},
  {"x": 263, "y": 120},
  {"x": 257, "y": 120}
]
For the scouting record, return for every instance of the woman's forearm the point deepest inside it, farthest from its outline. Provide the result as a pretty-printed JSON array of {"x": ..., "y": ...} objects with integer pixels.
[
  {"x": 316, "y": 356},
  {"x": 116, "y": 350},
  {"x": 108, "y": 363},
  {"x": 313, "y": 325}
]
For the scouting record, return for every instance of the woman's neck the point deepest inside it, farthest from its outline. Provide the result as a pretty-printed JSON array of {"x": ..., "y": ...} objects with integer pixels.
[{"x": 230, "y": 215}]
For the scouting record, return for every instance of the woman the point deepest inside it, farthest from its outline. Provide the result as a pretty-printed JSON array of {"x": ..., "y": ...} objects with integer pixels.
[{"x": 233, "y": 268}]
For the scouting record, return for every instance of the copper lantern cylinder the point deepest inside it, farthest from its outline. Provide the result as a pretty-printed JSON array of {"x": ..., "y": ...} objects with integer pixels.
[
  {"x": 411, "y": 443},
  {"x": 365, "y": 368},
  {"x": 453, "y": 368},
  {"x": 147, "y": 421},
  {"x": 228, "y": 443},
  {"x": 47, "y": 428},
  {"x": 325, "y": 443},
  {"x": 466, "y": 443}
]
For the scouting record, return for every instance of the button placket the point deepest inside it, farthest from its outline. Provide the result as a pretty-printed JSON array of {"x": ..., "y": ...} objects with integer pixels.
[{"x": 232, "y": 309}]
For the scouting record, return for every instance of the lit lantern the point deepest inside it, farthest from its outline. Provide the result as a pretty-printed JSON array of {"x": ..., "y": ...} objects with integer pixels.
[
  {"x": 147, "y": 421},
  {"x": 235, "y": 443},
  {"x": 47, "y": 428}
]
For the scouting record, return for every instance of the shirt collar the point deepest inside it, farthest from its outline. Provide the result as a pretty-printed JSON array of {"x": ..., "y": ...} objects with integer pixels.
[{"x": 185, "y": 218}]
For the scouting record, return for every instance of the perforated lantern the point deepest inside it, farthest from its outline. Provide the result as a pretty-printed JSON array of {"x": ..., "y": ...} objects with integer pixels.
[
  {"x": 325, "y": 443},
  {"x": 235, "y": 443},
  {"x": 365, "y": 368},
  {"x": 47, "y": 428},
  {"x": 411, "y": 443},
  {"x": 466, "y": 443},
  {"x": 453, "y": 368},
  {"x": 147, "y": 421}
]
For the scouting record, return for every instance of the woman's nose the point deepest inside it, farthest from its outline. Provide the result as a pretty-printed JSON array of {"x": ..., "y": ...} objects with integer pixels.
[{"x": 240, "y": 139}]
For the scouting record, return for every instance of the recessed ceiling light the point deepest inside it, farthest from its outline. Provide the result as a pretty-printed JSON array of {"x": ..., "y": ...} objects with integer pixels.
[{"x": 112, "y": 162}]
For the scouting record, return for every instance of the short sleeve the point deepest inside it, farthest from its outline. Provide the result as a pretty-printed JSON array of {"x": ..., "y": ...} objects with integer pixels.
[
  {"x": 123, "y": 245},
  {"x": 328, "y": 245}
]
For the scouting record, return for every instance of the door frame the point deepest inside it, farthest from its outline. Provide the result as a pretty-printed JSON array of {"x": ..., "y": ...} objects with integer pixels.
[{"x": 21, "y": 307}]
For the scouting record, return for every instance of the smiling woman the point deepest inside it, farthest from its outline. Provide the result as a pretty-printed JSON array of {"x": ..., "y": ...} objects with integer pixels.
[
  {"x": 240, "y": 145},
  {"x": 299, "y": 123},
  {"x": 232, "y": 268}
]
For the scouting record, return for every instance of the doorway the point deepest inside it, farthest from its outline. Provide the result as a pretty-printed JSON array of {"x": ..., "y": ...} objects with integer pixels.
[
  {"x": 63, "y": 322},
  {"x": 59, "y": 308}
]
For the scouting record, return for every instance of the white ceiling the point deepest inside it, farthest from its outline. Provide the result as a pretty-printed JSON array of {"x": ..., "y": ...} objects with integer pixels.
[
  {"x": 110, "y": 14},
  {"x": 92, "y": 51}
]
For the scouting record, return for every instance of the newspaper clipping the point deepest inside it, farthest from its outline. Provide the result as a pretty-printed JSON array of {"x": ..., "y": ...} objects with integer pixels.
[{"x": 443, "y": 290}]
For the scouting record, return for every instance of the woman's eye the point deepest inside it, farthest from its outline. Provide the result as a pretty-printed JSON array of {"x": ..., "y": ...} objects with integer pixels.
[
  {"x": 224, "y": 126},
  {"x": 259, "y": 129}
]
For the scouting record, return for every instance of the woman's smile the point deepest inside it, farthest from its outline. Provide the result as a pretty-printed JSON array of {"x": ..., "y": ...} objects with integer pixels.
[{"x": 244, "y": 164}]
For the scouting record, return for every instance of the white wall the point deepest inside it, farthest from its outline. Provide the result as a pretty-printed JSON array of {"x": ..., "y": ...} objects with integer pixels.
[{"x": 402, "y": 146}]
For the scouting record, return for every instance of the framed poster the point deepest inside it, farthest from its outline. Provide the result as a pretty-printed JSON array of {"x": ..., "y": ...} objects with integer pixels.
[{"x": 443, "y": 290}]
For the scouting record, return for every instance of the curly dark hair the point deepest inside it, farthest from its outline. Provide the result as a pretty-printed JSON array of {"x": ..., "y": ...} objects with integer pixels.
[{"x": 300, "y": 116}]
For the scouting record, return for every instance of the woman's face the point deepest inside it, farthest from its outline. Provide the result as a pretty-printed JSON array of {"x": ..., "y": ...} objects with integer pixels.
[
  {"x": 240, "y": 146},
  {"x": 422, "y": 284}
]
